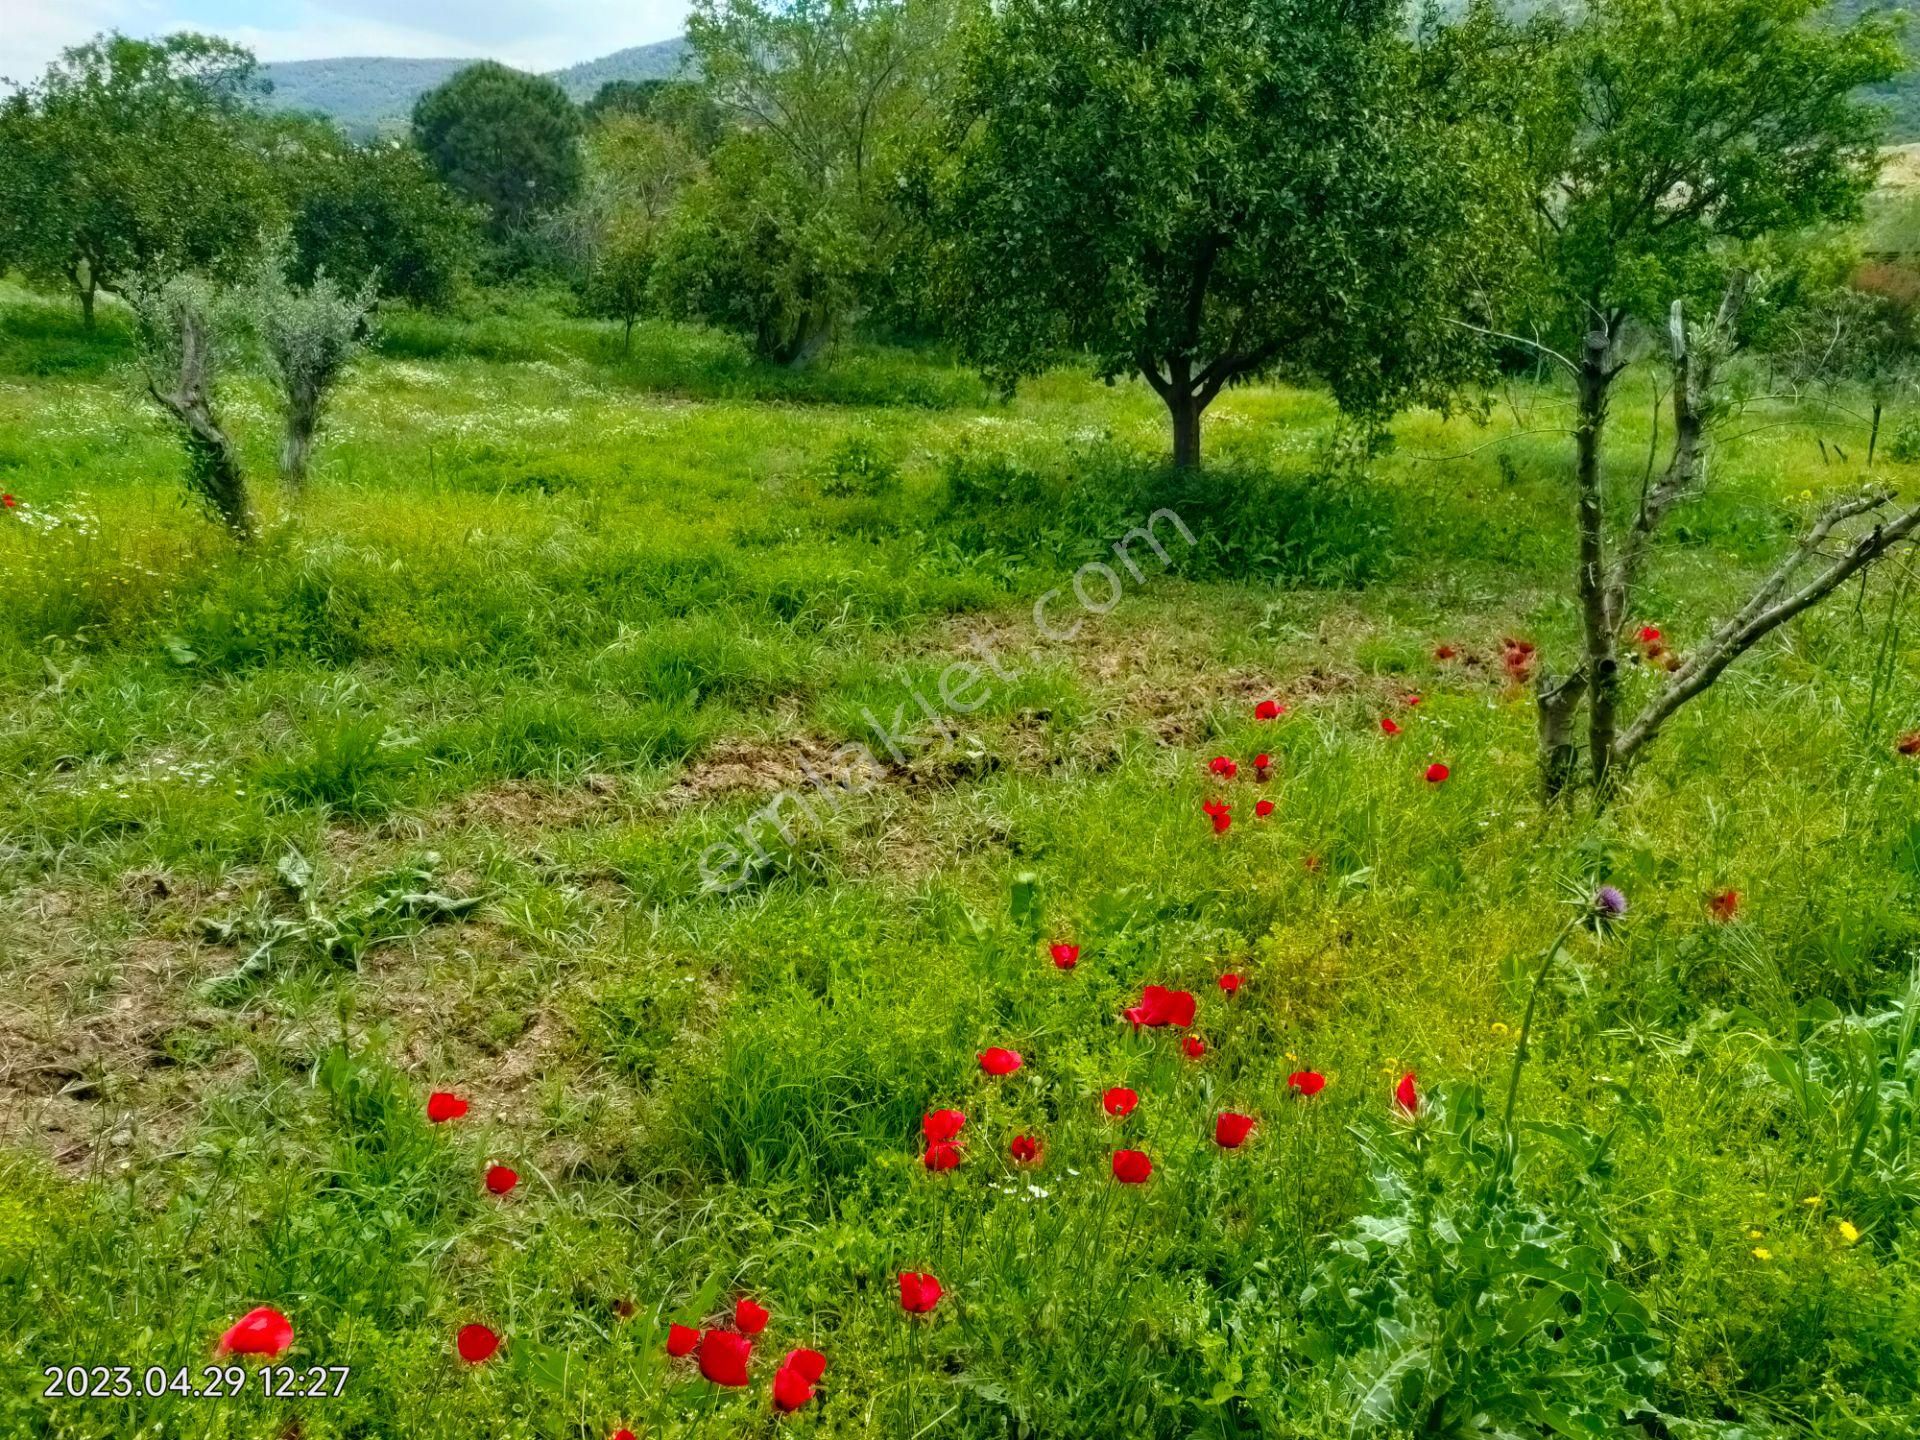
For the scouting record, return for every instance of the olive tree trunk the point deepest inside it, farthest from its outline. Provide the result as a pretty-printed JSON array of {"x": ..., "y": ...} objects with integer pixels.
[{"x": 213, "y": 467}]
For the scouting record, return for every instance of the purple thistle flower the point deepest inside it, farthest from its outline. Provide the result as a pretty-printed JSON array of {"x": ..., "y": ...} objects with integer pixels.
[{"x": 1609, "y": 902}]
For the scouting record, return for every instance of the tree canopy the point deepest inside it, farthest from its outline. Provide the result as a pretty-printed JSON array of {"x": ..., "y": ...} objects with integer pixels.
[
  {"x": 134, "y": 155},
  {"x": 1197, "y": 193},
  {"x": 504, "y": 139}
]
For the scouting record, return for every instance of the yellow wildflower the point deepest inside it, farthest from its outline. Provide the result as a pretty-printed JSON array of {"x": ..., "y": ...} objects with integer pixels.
[
  {"x": 1849, "y": 1232},
  {"x": 1760, "y": 1252}
]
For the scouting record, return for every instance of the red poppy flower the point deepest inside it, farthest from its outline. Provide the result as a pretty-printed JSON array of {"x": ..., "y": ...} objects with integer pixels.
[
  {"x": 1518, "y": 658},
  {"x": 723, "y": 1357},
  {"x": 999, "y": 1062},
  {"x": 1262, "y": 809},
  {"x": 500, "y": 1179},
  {"x": 1221, "y": 814},
  {"x": 1909, "y": 743},
  {"x": 1230, "y": 1130},
  {"x": 1387, "y": 726},
  {"x": 1024, "y": 1149},
  {"x": 1230, "y": 983},
  {"x": 810, "y": 1364},
  {"x": 1119, "y": 1102},
  {"x": 443, "y": 1105},
  {"x": 1223, "y": 767},
  {"x": 622, "y": 1434},
  {"x": 1194, "y": 1046},
  {"x": 1263, "y": 767},
  {"x": 791, "y": 1390},
  {"x": 942, "y": 1124},
  {"x": 1269, "y": 710},
  {"x": 1161, "y": 1006},
  {"x": 681, "y": 1339},
  {"x": 1724, "y": 905},
  {"x": 749, "y": 1318},
  {"x": 1131, "y": 1167},
  {"x": 1649, "y": 634},
  {"x": 1444, "y": 652},
  {"x": 476, "y": 1344},
  {"x": 919, "y": 1293},
  {"x": 1437, "y": 773},
  {"x": 1065, "y": 957},
  {"x": 8, "y": 501},
  {"x": 1411, "y": 699},
  {"x": 1406, "y": 1094},
  {"x": 263, "y": 1330},
  {"x": 941, "y": 1155},
  {"x": 1306, "y": 1083}
]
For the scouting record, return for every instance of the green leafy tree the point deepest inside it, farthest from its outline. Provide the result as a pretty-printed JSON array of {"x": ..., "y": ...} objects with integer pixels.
[
  {"x": 377, "y": 213},
  {"x": 1198, "y": 193},
  {"x": 1657, "y": 139},
  {"x": 681, "y": 105},
  {"x": 748, "y": 248},
  {"x": 829, "y": 99},
  {"x": 504, "y": 139},
  {"x": 134, "y": 156},
  {"x": 636, "y": 169}
]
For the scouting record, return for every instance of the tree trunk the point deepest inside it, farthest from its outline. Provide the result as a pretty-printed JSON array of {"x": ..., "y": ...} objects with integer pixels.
[
  {"x": 296, "y": 450},
  {"x": 213, "y": 466},
  {"x": 1602, "y": 662},
  {"x": 1557, "y": 704},
  {"x": 1873, "y": 435},
  {"x": 1185, "y": 408}
]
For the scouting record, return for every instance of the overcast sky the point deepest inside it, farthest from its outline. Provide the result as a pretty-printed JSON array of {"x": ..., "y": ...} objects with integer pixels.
[{"x": 533, "y": 34}]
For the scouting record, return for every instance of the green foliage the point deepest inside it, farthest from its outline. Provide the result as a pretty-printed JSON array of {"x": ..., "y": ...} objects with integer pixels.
[
  {"x": 378, "y": 214},
  {"x": 308, "y": 336},
  {"x": 1196, "y": 193},
  {"x": 636, "y": 169},
  {"x": 1854, "y": 1082},
  {"x": 302, "y": 923},
  {"x": 1474, "y": 1305},
  {"x": 506, "y": 140},
  {"x": 133, "y": 156},
  {"x": 749, "y": 249},
  {"x": 683, "y": 106},
  {"x": 1667, "y": 132},
  {"x": 805, "y": 208}
]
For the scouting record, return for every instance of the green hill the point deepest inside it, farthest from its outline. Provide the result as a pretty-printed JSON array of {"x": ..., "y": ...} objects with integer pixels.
[{"x": 367, "y": 95}]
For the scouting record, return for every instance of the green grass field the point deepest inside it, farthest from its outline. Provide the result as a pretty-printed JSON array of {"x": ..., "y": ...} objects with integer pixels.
[{"x": 416, "y": 795}]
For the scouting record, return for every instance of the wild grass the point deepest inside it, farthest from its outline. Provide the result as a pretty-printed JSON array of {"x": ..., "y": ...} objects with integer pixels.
[{"x": 553, "y": 620}]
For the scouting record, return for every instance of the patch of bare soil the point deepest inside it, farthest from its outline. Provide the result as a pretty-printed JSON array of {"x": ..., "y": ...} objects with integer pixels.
[
  {"x": 93, "y": 1033},
  {"x": 530, "y": 805}
]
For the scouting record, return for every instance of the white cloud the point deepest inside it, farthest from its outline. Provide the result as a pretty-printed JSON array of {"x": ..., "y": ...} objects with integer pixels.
[{"x": 532, "y": 34}]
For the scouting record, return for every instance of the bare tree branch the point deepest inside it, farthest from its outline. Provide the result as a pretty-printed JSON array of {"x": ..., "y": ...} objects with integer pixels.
[{"x": 1771, "y": 607}]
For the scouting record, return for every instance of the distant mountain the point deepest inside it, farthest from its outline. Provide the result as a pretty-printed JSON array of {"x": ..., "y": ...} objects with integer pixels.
[
  {"x": 659, "y": 61},
  {"x": 371, "y": 95}
]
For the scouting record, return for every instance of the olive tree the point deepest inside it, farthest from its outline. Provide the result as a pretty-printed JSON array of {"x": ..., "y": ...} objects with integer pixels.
[
  {"x": 1198, "y": 193},
  {"x": 308, "y": 334},
  {"x": 186, "y": 341}
]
